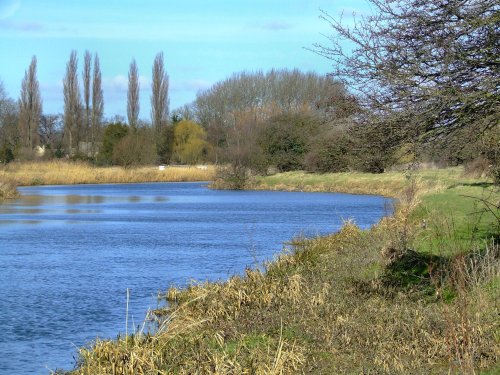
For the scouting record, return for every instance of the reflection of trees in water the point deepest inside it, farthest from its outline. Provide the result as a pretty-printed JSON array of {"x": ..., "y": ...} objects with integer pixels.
[{"x": 84, "y": 199}]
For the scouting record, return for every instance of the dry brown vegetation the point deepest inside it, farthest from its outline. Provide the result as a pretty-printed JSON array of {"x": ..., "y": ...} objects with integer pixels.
[
  {"x": 354, "y": 302},
  {"x": 67, "y": 173},
  {"x": 7, "y": 190}
]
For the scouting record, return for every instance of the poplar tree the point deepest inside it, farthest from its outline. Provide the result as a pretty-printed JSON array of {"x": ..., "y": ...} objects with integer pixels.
[
  {"x": 86, "y": 75},
  {"x": 133, "y": 105},
  {"x": 30, "y": 107},
  {"x": 97, "y": 103},
  {"x": 159, "y": 96},
  {"x": 72, "y": 104}
]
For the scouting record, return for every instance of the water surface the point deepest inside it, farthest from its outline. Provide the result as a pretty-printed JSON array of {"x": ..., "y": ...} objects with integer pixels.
[{"x": 69, "y": 253}]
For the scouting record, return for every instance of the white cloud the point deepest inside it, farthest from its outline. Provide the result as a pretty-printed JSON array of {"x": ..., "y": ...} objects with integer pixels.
[
  {"x": 190, "y": 85},
  {"x": 116, "y": 83}
]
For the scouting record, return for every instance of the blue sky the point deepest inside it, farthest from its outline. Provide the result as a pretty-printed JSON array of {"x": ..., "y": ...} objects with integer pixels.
[{"x": 203, "y": 41}]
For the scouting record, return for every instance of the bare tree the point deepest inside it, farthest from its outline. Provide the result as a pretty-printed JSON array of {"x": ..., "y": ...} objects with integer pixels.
[
  {"x": 421, "y": 66},
  {"x": 72, "y": 104},
  {"x": 86, "y": 75},
  {"x": 30, "y": 107},
  {"x": 97, "y": 103},
  {"x": 50, "y": 130},
  {"x": 133, "y": 106},
  {"x": 159, "y": 97},
  {"x": 9, "y": 120}
]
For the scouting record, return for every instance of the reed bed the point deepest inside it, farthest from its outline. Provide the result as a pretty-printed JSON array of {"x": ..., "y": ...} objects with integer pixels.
[
  {"x": 68, "y": 173},
  {"x": 354, "y": 302}
]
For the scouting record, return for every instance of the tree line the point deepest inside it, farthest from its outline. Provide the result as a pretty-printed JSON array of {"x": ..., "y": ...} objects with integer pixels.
[
  {"x": 80, "y": 130},
  {"x": 413, "y": 81}
]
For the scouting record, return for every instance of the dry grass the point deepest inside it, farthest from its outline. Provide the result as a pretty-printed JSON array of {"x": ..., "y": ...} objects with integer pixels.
[
  {"x": 354, "y": 302},
  {"x": 318, "y": 309},
  {"x": 8, "y": 189},
  {"x": 67, "y": 173},
  {"x": 389, "y": 184}
]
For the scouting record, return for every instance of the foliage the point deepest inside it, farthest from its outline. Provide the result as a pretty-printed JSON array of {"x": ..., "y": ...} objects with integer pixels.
[
  {"x": 285, "y": 140},
  {"x": 247, "y": 100},
  {"x": 6, "y": 154},
  {"x": 328, "y": 153},
  {"x": 373, "y": 147},
  {"x": 135, "y": 148},
  {"x": 190, "y": 146},
  {"x": 113, "y": 133},
  {"x": 164, "y": 144}
]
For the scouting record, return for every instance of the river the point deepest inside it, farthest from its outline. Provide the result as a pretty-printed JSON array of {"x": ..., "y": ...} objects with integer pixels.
[{"x": 68, "y": 254}]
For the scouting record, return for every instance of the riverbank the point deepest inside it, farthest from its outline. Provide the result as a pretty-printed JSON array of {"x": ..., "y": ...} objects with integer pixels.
[
  {"x": 388, "y": 184},
  {"x": 60, "y": 172},
  {"x": 417, "y": 293}
]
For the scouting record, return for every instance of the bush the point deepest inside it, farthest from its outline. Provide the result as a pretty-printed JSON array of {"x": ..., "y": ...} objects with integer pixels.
[
  {"x": 285, "y": 140},
  {"x": 113, "y": 133},
  {"x": 231, "y": 177},
  {"x": 6, "y": 154},
  {"x": 134, "y": 149},
  {"x": 328, "y": 154}
]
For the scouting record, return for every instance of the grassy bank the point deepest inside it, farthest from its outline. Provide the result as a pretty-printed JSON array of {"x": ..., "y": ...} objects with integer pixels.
[
  {"x": 389, "y": 184},
  {"x": 412, "y": 295},
  {"x": 67, "y": 173}
]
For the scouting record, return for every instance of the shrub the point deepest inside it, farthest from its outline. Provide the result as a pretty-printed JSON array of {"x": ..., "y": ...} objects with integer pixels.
[
  {"x": 6, "y": 154},
  {"x": 328, "y": 154},
  {"x": 285, "y": 140},
  {"x": 134, "y": 149}
]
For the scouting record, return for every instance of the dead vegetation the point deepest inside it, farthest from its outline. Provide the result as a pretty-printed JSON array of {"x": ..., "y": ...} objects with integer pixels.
[
  {"x": 354, "y": 302},
  {"x": 8, "y": 190},
  {"x": 322, "y": 308},
  {"x": 66, "y": 173}
]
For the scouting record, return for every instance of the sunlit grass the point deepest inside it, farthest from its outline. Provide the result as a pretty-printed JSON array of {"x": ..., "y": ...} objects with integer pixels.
[
  {"x": 374, "y": 301},
  {"x": 68, "y": 173},
  {"x": 387, "y": 184}
]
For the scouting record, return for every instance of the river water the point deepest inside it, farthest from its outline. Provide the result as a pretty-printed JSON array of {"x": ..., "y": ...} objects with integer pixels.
[{"x": 69, "y": 253}]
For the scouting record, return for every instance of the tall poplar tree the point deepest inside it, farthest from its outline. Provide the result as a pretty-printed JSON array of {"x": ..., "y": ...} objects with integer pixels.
[
  {"x": 97, "y": 103},
  {"x": 133, "y": 105},
  {"x": 159, "y": 96},
  {"x": 86, "y": 75},
  {"x": 72, "y": 104},
  {"x": 30, "y": 107}
]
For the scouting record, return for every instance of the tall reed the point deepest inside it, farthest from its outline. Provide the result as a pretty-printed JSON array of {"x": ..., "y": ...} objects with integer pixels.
[{"x": 67, "y": 173}]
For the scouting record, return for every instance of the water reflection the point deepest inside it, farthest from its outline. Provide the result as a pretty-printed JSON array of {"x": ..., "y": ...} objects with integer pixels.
[{"x": 32, "y": 211}]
